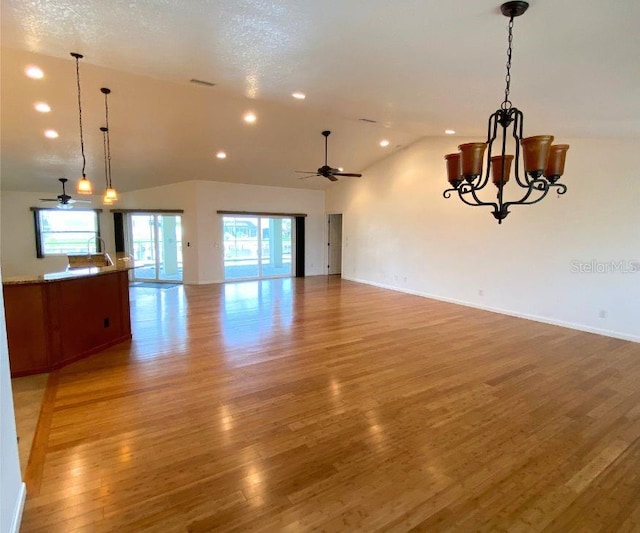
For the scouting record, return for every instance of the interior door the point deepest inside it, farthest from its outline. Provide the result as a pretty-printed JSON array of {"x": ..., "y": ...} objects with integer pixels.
[{"x": 335, "y": 244}]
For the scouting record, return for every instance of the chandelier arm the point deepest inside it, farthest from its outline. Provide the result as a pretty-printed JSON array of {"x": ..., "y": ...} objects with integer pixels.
[
  {"x": 447, "y": 193},
  {"x": 562, "y": 188},
  {"x": 492, "y": 132},
  {"x": 501, "y": 207},
  {"x": 466, "y": 188},
  {"x": 517, "y": 135},
  {"x": 539, "y": 185}
]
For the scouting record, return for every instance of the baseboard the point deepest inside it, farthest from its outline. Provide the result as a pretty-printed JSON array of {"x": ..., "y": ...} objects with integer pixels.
[
  {"x": 17, "y": 515},
  {"x": 508, "y": 312}
]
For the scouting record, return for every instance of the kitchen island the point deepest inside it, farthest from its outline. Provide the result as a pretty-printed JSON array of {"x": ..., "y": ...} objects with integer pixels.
[{"x": 57, "y": 318}]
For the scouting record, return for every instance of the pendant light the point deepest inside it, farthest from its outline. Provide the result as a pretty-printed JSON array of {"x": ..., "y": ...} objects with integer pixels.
[
  {"x": 110, "y": 194},
  {"x": 84, "y": 185},
  {"x": 543, "y": 161},
  {"x": 105, "y": 199}
]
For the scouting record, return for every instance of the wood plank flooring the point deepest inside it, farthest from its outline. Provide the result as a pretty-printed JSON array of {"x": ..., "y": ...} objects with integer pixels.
[
  {"x": 302, "y": 404},
  {"x": 27, "y": 402}
]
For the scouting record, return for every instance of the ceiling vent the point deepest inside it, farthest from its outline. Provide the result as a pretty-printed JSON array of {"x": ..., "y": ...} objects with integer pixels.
[{"x": 202, "y": 82}]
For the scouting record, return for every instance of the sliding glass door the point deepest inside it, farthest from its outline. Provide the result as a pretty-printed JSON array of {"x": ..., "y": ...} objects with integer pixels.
[
  {"x": 257, "y": 247},
  {"x": 156, "y": 245}
]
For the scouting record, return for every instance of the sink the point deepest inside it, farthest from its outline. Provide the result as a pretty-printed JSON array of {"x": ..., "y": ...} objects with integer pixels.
[{"x": 89, "y": 260}]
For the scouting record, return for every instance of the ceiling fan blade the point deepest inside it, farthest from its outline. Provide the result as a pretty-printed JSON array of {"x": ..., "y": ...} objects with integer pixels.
[
  {"x": 331, "y": 177},
  {"x": 305, "y": 171},
  {"x": 348, "y": 174},
  {"x": 309, "y": 176},
  {"x": 49, "y": 200}
]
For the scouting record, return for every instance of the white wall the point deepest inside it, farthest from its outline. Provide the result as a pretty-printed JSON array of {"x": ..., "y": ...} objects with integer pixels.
[
  {"x": 12, "y": 489},
  {"x": 399, "y": 232},
  {"x": 18, "y": 234},
  {"x": 202, "y": 226}
]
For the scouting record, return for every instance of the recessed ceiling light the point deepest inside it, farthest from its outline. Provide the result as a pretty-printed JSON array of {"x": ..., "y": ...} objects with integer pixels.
[
  {"x": 298, "y": 95},
  {"x": 51, "y": 134},
  {"x": 42, "y": 107},
  {"x": 34, "y": 72},
  {"x": 250, "y": 117},
  {"x": 384, "y": 143},
  {"x": 221, "y": 155},
  {"x": 450, "y": 132}
]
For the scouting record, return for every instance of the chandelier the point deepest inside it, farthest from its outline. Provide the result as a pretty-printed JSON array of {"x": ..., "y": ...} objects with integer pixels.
[{"x": 543, "y": 161}]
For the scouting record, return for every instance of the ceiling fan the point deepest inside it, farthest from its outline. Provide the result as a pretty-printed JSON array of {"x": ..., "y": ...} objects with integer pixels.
[
  {"x": 64, "y": 200},
  {"x": 326, "y": 171}
]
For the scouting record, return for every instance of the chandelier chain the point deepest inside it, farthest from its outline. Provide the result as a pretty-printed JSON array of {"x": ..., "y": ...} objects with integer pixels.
[
  {"x": 84, "y": 159},
  {"x": 507, "y": 103}
]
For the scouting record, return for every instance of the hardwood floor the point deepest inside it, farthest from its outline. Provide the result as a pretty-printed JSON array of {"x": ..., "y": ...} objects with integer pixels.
[
  {"x": 27, "y": 402},
  {"x": 324, "y": 404}
]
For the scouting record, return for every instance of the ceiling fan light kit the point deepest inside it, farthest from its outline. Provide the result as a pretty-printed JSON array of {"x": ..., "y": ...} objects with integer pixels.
[
  {"x": 543, "y": 161},
  {"x": 84, "y": 185}
]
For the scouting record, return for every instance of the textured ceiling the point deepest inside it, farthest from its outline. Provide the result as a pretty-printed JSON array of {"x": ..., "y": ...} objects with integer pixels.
[{"x": 414, "y": 66}]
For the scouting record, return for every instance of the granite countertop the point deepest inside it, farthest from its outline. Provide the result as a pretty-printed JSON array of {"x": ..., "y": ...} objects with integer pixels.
[{"x": 123, "y": 262}]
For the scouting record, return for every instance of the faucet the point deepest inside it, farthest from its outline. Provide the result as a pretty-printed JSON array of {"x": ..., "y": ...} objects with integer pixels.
[{"x": 96, "y": 239}]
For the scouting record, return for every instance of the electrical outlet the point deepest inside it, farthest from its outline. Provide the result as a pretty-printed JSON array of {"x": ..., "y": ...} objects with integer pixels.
[
  {"x": 480, "y": 292},
  {"x": 603, "y": 313}
]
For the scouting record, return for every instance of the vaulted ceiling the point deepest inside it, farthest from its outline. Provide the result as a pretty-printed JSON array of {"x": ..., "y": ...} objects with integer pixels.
[{"x": 412, "y": 68}]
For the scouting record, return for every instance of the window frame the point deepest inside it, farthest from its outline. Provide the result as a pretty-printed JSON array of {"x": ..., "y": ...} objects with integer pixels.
[{"x": 38, "y": 229}]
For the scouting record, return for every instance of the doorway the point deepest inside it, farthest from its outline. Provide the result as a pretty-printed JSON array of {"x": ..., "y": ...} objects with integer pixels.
[
  {"x": 334, "y": 241},
  {"x": 257, "y": 247},
  {"x": 155, "y": 241}
]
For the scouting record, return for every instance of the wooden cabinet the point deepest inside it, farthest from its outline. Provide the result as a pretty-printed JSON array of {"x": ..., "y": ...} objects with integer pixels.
[{"x": 52, "y": 323}]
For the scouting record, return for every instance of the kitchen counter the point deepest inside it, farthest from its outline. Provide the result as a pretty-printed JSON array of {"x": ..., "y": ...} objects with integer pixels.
[
  {"x": 123, "y": 263},
  {"x": 57, "y": 318}
]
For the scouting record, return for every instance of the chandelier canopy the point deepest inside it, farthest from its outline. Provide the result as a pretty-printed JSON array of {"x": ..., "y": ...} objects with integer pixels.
[{"x": 543, "y": 161}]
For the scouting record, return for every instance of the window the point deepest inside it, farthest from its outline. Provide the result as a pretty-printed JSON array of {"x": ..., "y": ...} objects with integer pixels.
[
  {"x": 65, "y": 231},
  {"x": 257, "y": 246}
]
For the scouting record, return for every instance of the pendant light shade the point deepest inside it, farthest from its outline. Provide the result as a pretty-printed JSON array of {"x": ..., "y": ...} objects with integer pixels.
[
  {"x": 111, "y": 193},
  {"x": 84, "y": 185}
]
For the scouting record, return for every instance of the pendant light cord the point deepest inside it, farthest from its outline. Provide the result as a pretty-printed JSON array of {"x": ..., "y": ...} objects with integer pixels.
[
  {"x": 104, "y": 144},
  {"x": 106, "y": 109},
  {"x": 84, "y": 159}
]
